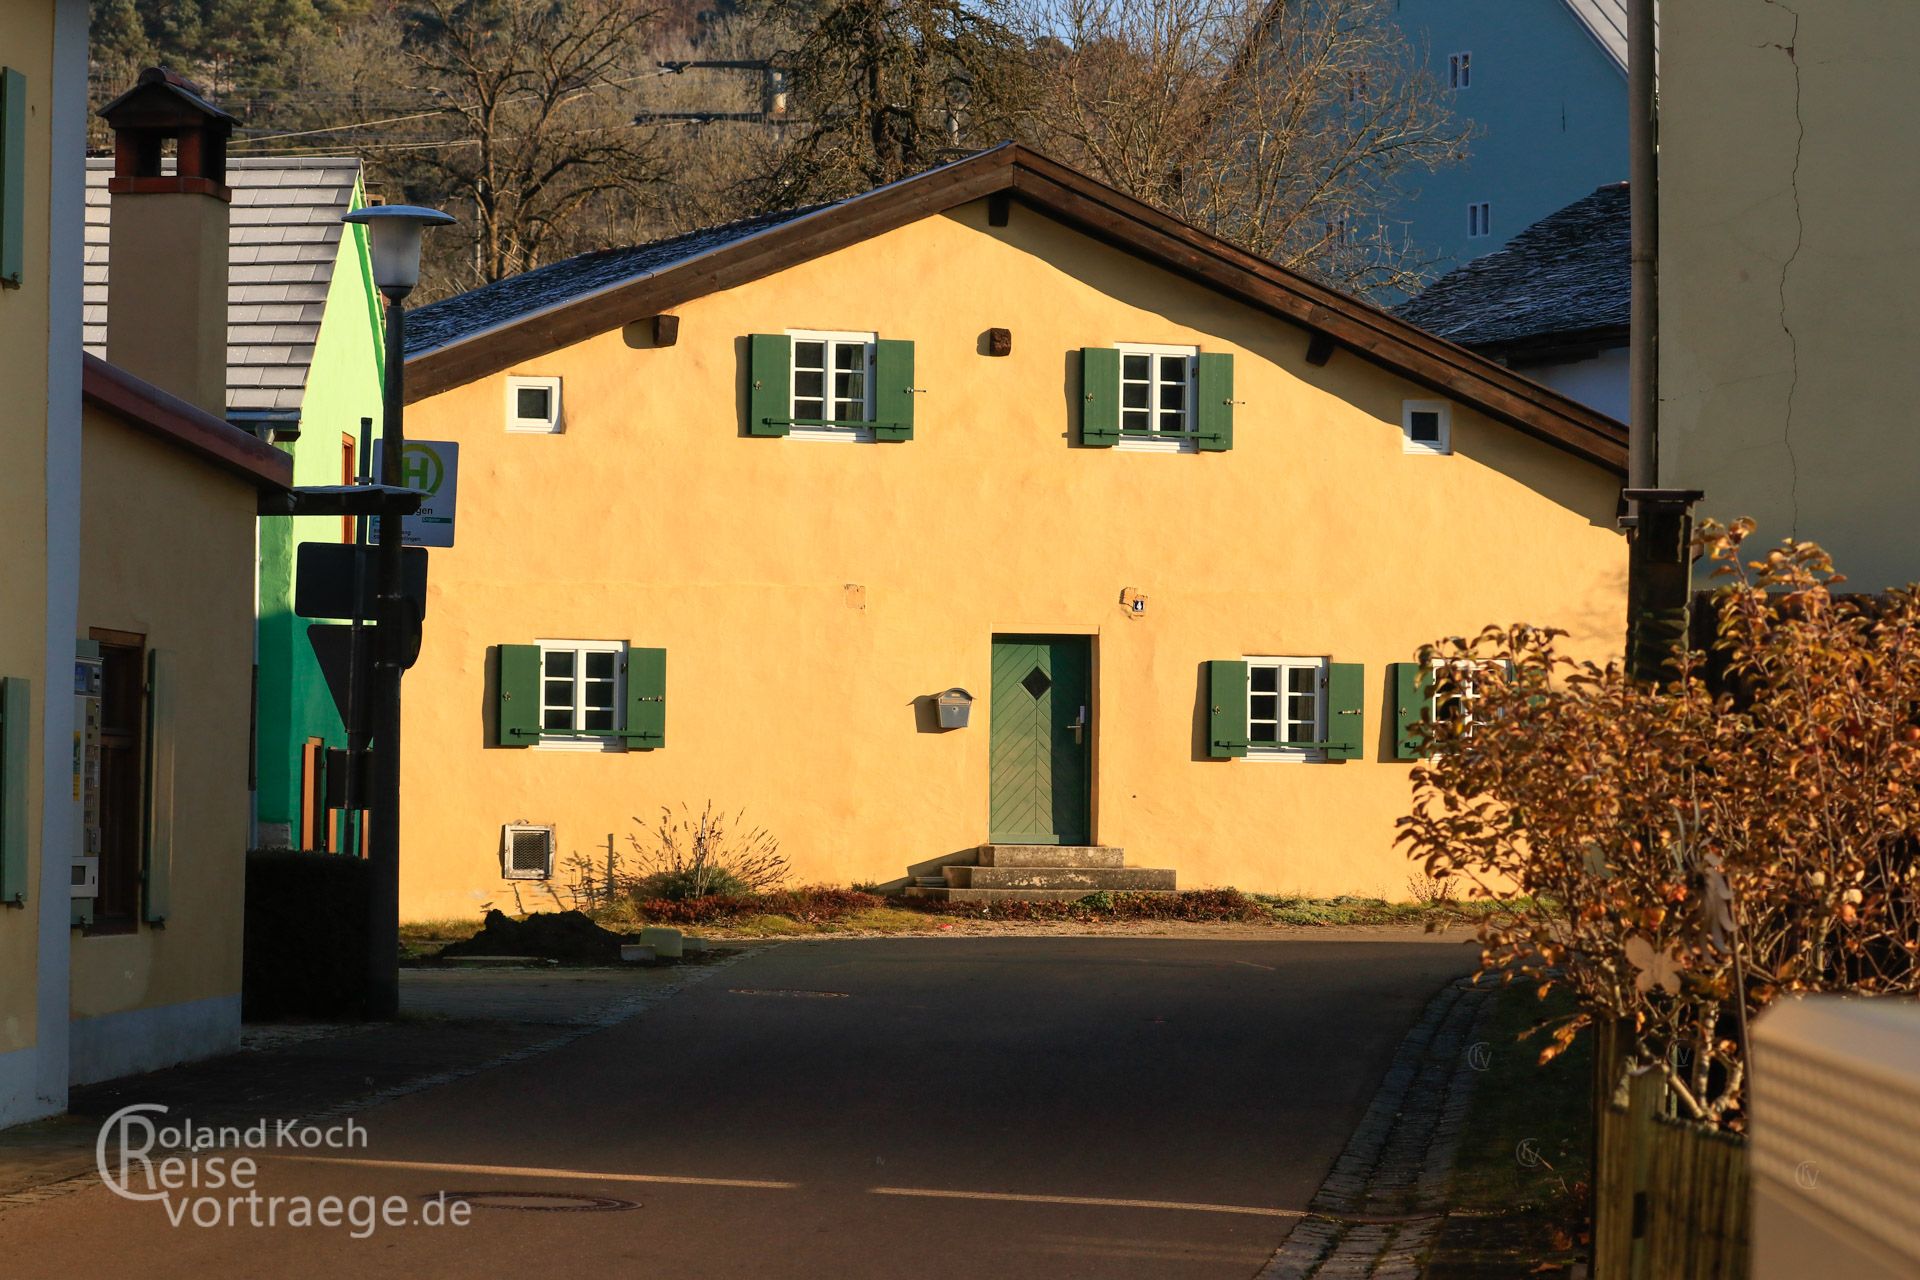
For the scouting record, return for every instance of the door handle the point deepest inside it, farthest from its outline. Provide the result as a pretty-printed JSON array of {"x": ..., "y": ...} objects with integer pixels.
[{"x": 1079, "y": 728}]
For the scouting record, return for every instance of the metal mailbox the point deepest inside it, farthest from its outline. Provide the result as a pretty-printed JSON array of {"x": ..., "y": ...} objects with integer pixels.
[{"x": 955, "y": 706}]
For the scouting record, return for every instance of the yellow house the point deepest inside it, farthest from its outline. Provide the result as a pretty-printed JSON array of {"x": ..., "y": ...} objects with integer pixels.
[
  {"x": 42, "y": 85},
  {"x": 1789, "y": 273},
  {"x": 126, "y": 633},
  {"x": 737, "y": 508}
]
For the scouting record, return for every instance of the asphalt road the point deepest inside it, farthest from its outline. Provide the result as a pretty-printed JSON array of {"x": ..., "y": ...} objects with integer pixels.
[{"x": 1008, "y": 1106}]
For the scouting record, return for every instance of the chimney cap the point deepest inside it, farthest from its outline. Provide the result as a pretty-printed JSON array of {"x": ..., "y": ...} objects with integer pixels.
[{"x": 163, "y": 99}]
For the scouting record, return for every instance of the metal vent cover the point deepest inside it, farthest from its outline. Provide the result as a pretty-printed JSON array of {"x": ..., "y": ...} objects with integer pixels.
[{"x": 526, "y": 852}]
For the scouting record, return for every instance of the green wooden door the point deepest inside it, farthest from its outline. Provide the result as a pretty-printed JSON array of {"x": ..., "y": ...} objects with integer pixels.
[{"x": 1041, "y": 739}]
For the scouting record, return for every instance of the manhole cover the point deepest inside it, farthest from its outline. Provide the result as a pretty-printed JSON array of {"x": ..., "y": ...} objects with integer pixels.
[{"x": 538, "y": 1201}]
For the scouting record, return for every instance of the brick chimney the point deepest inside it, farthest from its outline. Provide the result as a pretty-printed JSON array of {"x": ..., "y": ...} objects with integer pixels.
[{"x": 167, "y": 245}]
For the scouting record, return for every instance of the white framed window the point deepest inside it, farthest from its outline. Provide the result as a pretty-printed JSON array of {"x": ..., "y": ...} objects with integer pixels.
[
  {"x": 1479, "y": 219},
  {"x": 583, "y": 694},
  {"x": 533, "y": 405},
  {"x": 1460, "y": 71},
  {"x": 1156, "y": 397},
  {"x": 1459, "y": 700},
  {"x": 1286, "y": 708},
  {"x": 1426, "y": 426},
  {"x": 832, "y": 395}
]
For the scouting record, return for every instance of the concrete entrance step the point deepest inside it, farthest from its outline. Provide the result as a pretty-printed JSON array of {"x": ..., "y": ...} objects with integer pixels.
[
  {"x": 1052, "y": 855},
  {"x": 1083, "y": 880},
  {"x": 1007, "y": 895}
]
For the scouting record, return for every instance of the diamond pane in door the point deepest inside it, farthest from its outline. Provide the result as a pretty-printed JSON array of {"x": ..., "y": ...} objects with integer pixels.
[{"x": 1039, "y": 743}]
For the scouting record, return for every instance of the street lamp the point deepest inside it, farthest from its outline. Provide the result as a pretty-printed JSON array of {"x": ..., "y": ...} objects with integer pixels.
[{"x": 393, "y": 234}]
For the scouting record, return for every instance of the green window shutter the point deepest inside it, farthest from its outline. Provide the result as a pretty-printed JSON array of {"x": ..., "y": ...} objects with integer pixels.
[
  {"x": 519, "y": 695},
  {"x": 15, "y": 749},
  {"x": 1411, "y": 688},
  {"x": 769, "y": 384},
  {"x": 1346, "y": 710},
  {"x": 161, "y": 742},
  {"x": 646, "y": 698},
  {"x": 1213, "y": 391},
  {"x": 13, "y": 175},
  {"x": 1227, "y": 708},
  {"x": 1100, "y": 391},
  {"x": 892, "y": 389}
]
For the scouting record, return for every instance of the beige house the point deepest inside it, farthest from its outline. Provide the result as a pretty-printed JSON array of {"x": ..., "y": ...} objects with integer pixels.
[
  {"x": 1790, "y": 272},
  {"x": 128, "y": 508}
]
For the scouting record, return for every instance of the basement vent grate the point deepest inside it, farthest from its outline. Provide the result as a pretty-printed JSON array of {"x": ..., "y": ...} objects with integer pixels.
[{"x": 527, "y": 852}]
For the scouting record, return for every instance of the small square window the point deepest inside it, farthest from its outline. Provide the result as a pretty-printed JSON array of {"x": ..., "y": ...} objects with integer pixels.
[
  {"x": 1479, "y": 219},
  {"x": 533, "y": 405},
  {"x": 1426, "y": 426},
  {"x": 1460, "y": 71}
]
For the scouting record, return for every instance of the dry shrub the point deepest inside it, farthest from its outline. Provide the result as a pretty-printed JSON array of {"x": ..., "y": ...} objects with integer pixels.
[
  {"x": 699, "y": 856},
  {"x": 1682, "y": 854}
]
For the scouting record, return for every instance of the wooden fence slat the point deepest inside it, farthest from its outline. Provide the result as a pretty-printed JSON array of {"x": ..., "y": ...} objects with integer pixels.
[{"x": 1693, "y": 1184}]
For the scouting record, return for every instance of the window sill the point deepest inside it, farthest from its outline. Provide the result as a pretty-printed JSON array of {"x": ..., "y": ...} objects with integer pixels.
[
  {"x": 846, "y": 435},
  {"x": 580, "y": 744},
  {"x": 1285, "y": 755},
  {"x": 1148, "y": 444}
]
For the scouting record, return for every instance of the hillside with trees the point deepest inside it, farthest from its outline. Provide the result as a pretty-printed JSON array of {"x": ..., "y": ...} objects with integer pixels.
[{"x": 550, "y": 127}]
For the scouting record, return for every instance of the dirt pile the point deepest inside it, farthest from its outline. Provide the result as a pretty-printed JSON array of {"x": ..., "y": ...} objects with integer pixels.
[{"x": 566, "y": 936}]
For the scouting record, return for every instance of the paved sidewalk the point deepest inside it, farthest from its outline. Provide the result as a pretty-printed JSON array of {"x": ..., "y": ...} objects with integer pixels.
[
  {"x": 1382, "y": 1206},
  {"x": 454, "y": 1023}
]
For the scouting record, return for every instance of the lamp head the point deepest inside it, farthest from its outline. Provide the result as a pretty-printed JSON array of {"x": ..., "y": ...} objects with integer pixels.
[{"x": 393, "y": 241}]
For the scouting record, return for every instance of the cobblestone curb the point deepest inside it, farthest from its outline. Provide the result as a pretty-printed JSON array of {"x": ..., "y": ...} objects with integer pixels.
[
  {"x": 617, "y": 1012},
  {"x": 1382, "y": 1205}
]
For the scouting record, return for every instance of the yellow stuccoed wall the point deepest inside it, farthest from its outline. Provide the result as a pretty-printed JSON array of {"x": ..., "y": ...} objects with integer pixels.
[
  {"x": 652, "y": 519},
  {"x": 26, "y": 45},
  {"x": 167, "y": 552}
]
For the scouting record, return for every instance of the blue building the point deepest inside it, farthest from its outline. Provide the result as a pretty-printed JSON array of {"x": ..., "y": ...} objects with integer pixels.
[{"x": 1544, "y": 83}]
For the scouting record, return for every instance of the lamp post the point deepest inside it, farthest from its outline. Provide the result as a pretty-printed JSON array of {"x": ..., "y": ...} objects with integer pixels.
[{"x": 393, "y": 234}]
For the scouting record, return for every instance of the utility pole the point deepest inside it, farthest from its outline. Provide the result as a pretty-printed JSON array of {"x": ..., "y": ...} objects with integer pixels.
[{"x": 1659, "y": 521}]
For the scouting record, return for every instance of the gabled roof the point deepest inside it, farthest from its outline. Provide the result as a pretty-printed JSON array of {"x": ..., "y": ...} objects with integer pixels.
[
  {"x": 1606, "y": 22},
  {"x": 460, "y": 339},
  {"x": 1564, "y": 281},
  {"x": 140, "y": 404},
  {"x": 285, "y": 240},
  {"x": 466, "y": 315}
]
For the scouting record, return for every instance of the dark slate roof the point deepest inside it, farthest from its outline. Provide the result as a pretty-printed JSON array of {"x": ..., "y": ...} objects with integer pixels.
[
  {"x": 1568, "y": 274},
  {"x": 454, "y": 319}
]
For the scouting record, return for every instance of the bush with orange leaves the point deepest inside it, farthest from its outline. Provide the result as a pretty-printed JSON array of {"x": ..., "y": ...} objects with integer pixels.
[{"x": 1681, "y": 854}]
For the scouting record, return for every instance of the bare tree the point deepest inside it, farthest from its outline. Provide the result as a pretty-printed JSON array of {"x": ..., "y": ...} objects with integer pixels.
[
  {"x": 1282, "y": 125},
  {"x": 532, "y": 128}
]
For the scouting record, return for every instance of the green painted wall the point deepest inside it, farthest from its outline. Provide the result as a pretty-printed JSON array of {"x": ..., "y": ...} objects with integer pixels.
[{"x": 343, "y": 386}]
